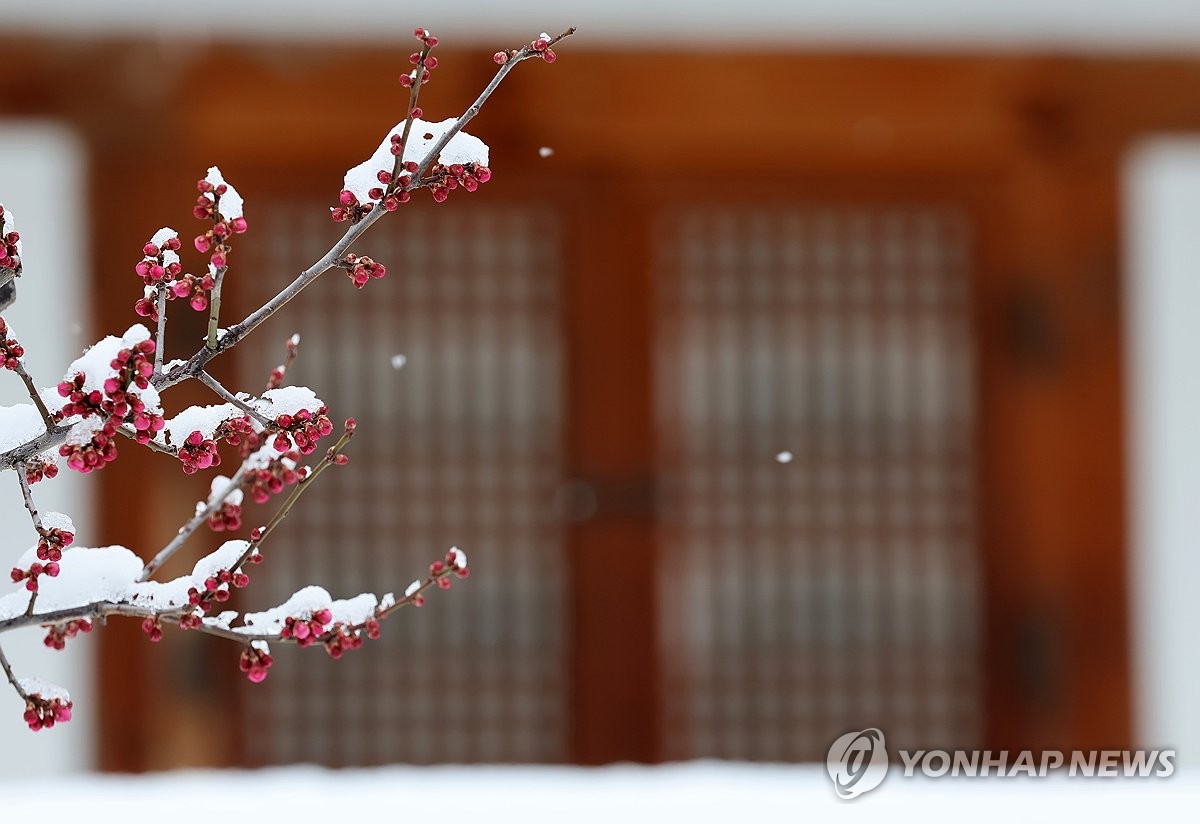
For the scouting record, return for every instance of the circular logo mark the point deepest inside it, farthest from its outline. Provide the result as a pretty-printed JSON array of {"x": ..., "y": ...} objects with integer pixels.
[{"x": 857, "y": 762}]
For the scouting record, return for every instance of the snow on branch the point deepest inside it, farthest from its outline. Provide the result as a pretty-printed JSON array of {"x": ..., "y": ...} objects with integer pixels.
[{"x": 115, "y": 388}]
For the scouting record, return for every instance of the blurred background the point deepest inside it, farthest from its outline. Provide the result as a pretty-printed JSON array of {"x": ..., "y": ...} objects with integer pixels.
[{"x": 803, "y": 368}]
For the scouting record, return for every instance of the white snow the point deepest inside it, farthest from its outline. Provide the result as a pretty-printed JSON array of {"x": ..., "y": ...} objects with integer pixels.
[
  {"x": 10, "y": 225},
  {"x": 398, "y": 361},
  {"x": 96, "y": 365},
  {"x": 459, "y": 557},
  {"x": 162, "y": 236},
  {"x": 202, "y": 419},
  {"x": 462, "y": 148},
  {"x": 231, "y": 202},
  {"x": 286, "y": 400},
  {"x": 545, "y": 151},
  {"x": 58, "y": 520},
  {"x": 223, "y": 557},
  {"x": 86, "y": 575},
  {"x": 216, "y": 489},
  {"x": 784, "y": 457},
  {"x": 161, "y": 594},
  {"x": 697, "y": 793},
  {"x": 411, "y": 588},
  {"x": 224, "y": 620},
  {"x": 19, "y": 424},
  {"x": 36, "y": 686},
  {"x": 303, "y": 604}
]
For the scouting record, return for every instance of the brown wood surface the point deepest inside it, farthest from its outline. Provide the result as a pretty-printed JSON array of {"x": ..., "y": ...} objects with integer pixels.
[{"x": 1035, "y": 144}]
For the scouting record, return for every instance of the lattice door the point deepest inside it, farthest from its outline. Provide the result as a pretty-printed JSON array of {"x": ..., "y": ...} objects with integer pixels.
[
  {"x": 463, "y": 445},
  {"x": 838, "y": 590}
]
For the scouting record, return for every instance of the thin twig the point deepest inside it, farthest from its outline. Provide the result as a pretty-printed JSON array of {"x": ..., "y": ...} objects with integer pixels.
[
  {"x": 156, "y": 446},
  {"x": 414, "y": 94},
  {"x": 522, "y": 54},
  {"x": 27, "y": 494},
  {"x": 12, "y": 679},
  {"x": 214, "y": 503},
  {"x": 214, "y": 308},
  {"x": 161, "y": 338},
  {"x": 281, "y": 513},
  {"x": 215, "y": 385},
  {"x": 280, "y": 372},
  {"x": 35, "y": 396}
]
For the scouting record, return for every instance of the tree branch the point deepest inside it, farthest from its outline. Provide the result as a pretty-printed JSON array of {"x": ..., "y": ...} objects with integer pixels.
[
  {"x": 12, "y": 679},
  {"x": 56, "y": 435},
  {"x": 161, "y": 337},
  {"x": 151, "y": 444},
  {"x": 214, "y": 503},
  {"x": 227, "y": 396},
  {"x": 35, "y": 396},
  {"x": 214, "y": 307},
  {"x": 27, "y": 494}
]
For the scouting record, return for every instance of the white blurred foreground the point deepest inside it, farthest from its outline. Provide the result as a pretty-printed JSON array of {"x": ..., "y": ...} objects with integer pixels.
[{"x": 697, "y": 792}]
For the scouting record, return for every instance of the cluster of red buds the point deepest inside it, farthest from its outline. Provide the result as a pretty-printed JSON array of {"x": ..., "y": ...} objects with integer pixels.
[
  {"x": 198, "y": 452},
  {"x": 118, "y": 401},
  {"x": 11, "y": 352},
  {"x": 42, "y": 713},
  {"x": 255, "y": 663},
  {"x": 155, "y": 270},
  {"x": 307, "y": 631},
  {"x": 37, "y": 468},
  {"x": 272, "y": 478},
  {"x": 350, "y": 209},
  {"x": 445, "y": 179},
  {"x": 57, "y": 634},
  {"x": 36, "y": 570},
  {"x": 540, "y": 46},
  {"x": 234, "y": 431},
  {"x": 305, "y": 429},
  {"x": 10, "y": 258},
  {"x": 341, "y": 639},
  {"x": 227, "y": 518},
  {"x": 361, "y": 269},
  {"x": 135, "y": 367},
  {"x": 216, "y": 588},
  {"x": 79, "y": 402},
  {"x": 194, "y": 288},
  {"x": 51, "y": 543},
  {"x": 443, "y": 570},
  {"x": 425, "y": 64},
  {"x": 399, "y": 193},
  {"x": 152, "y": 628},
  {"x": 208, "y": 207},
  {"x": 92, "y": 454},
  {"x": 154, "y": 267}
]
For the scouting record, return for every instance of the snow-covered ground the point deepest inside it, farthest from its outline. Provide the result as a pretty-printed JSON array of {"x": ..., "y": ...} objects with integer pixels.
[{"x": 691, "y": 793}]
